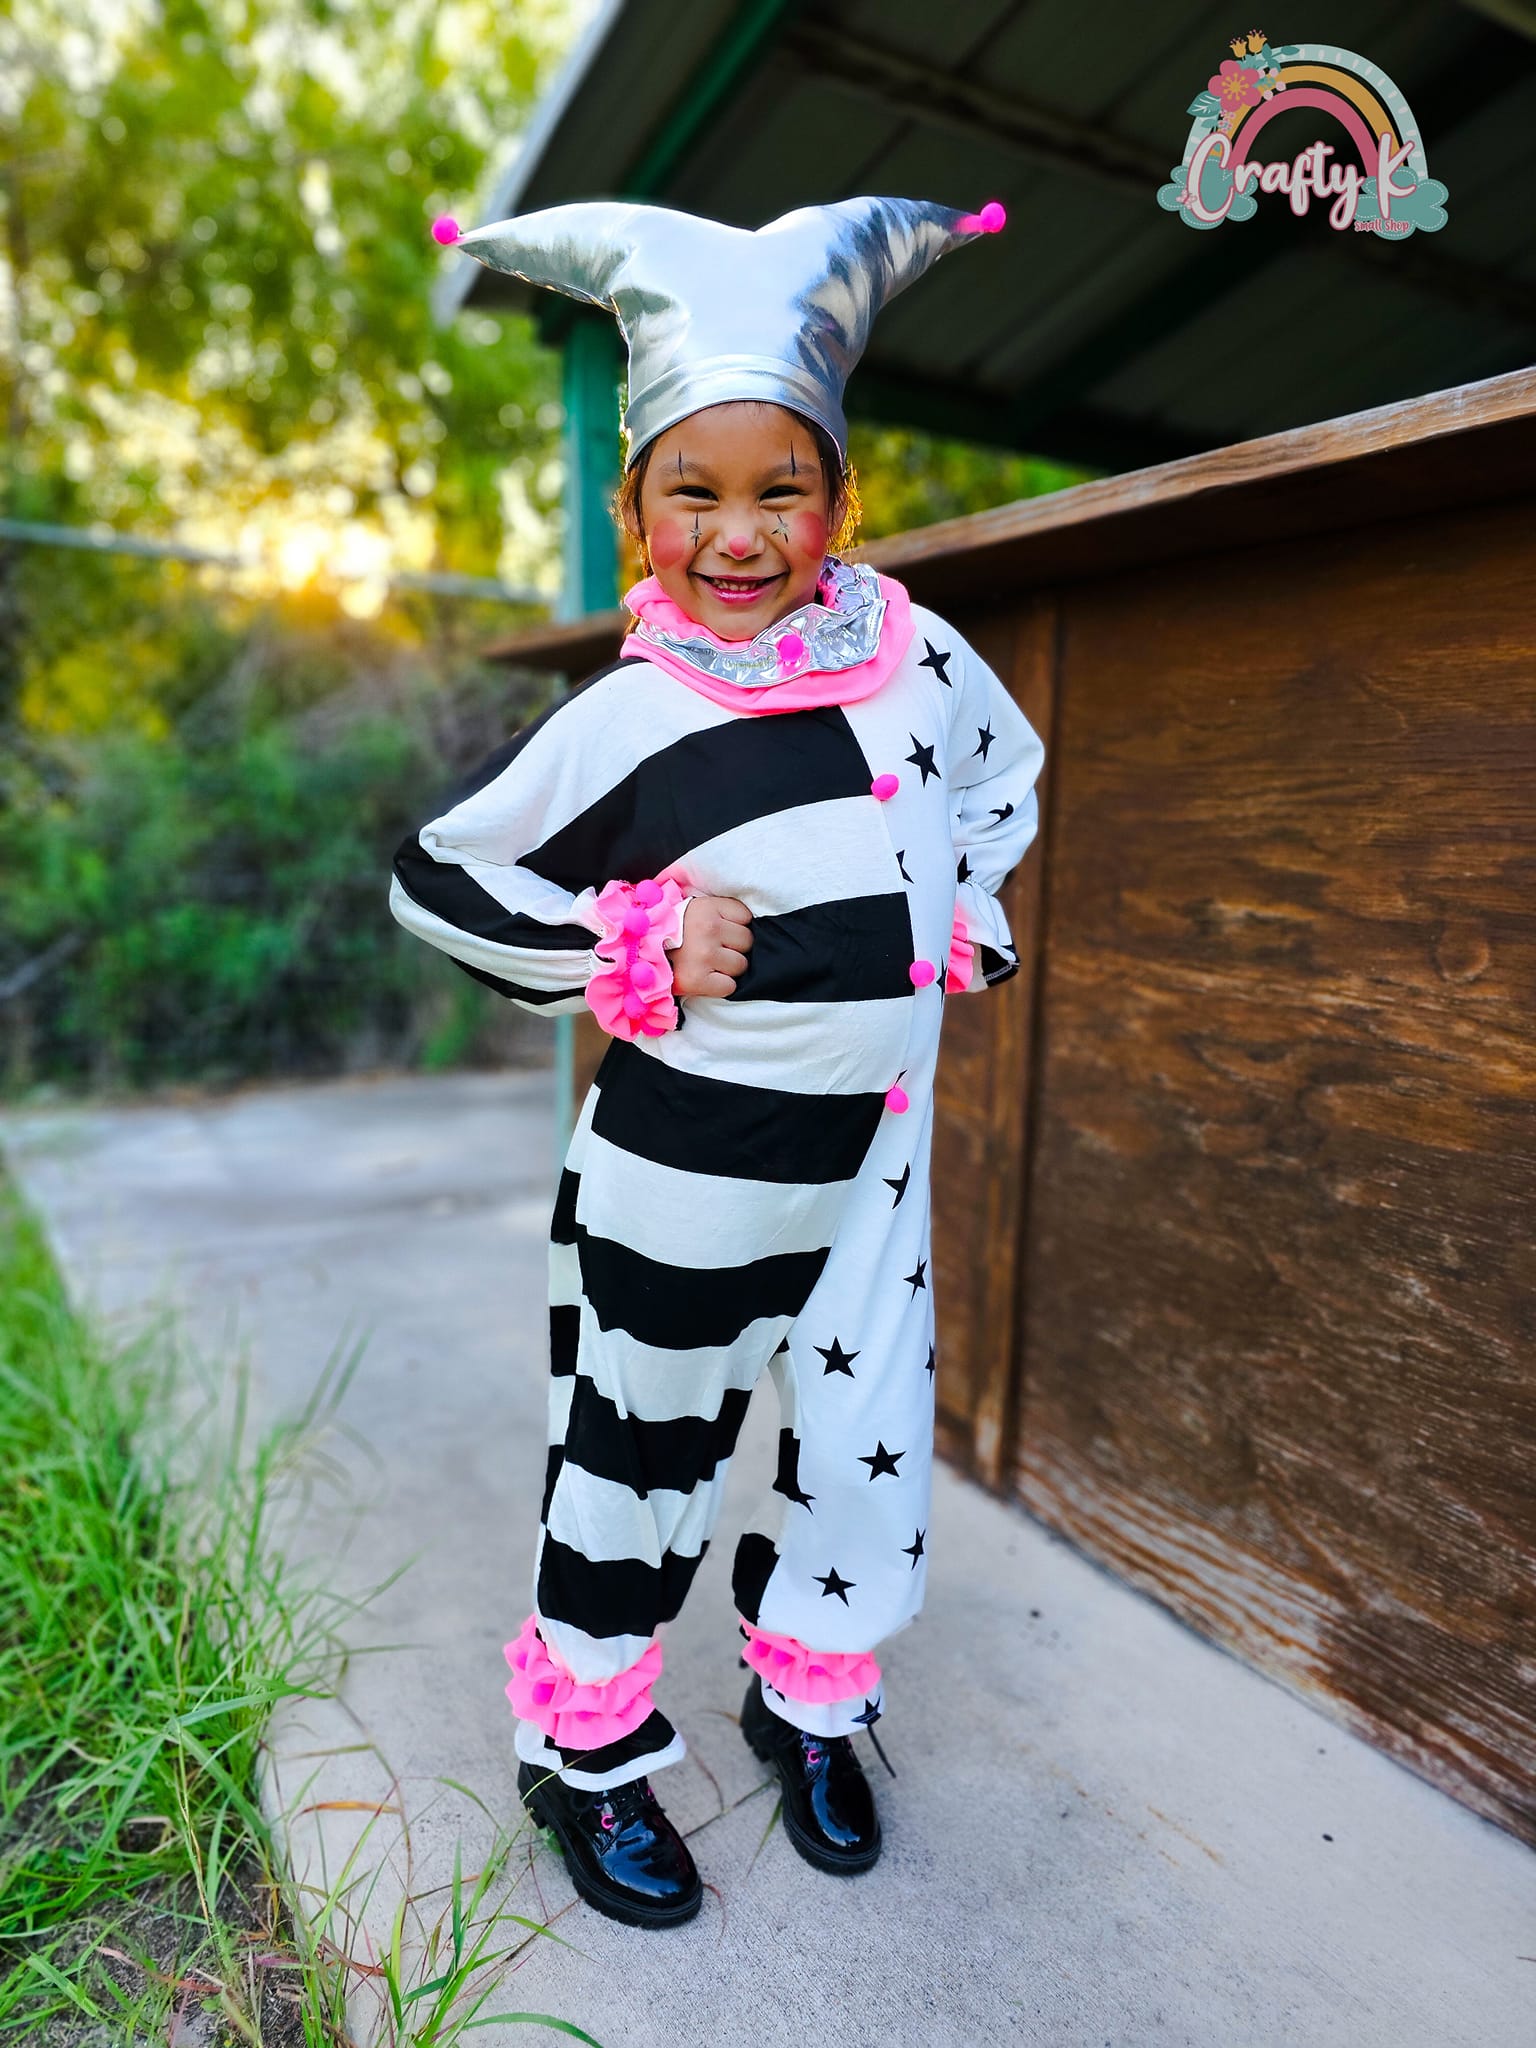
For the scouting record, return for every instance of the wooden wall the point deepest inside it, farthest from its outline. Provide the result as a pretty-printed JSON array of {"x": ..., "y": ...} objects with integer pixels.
[{"x": 1273, "y": 1136}]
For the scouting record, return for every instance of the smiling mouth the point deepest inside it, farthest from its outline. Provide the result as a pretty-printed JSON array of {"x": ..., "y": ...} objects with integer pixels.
[{"x": 739, "y": 589}]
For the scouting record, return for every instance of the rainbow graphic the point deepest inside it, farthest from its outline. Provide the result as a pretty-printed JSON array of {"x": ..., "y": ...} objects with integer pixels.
[{"x": 1223, "y": 167}]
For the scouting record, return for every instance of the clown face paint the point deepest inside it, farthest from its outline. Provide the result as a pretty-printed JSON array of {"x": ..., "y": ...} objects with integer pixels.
[{"x": 734, "y": 507}]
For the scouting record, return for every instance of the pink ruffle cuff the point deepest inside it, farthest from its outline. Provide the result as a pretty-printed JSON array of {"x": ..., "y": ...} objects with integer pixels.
[
  {"x": 632, "y": 996},
  {"x": 574, "y": 1715},
  {"x": 961, "y": 954},
  {"x": 816, "y": 1676}
]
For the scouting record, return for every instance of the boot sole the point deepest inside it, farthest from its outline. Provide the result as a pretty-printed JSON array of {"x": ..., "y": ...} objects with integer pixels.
[
  {"x": 814, "y": 1852},
  {"x": 616, "y": 1907}
]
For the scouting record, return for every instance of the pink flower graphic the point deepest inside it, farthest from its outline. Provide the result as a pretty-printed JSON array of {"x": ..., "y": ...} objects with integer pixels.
[{"x": 1236, "y": 87}]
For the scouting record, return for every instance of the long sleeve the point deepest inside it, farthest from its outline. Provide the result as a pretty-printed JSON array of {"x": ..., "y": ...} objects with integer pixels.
[
  {"x": 995, "y": 758},
  {"x": 459, "y": 883}
]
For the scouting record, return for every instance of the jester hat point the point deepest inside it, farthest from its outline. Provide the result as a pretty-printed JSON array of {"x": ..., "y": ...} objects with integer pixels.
[{"x": 711, "y": 313}]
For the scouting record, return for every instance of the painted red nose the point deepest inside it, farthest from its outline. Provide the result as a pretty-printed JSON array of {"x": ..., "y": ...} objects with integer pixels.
[{"x": 738, "y": 547}]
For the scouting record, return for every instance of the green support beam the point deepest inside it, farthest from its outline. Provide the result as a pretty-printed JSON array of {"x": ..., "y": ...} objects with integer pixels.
[{"x": 592, "y": 366}]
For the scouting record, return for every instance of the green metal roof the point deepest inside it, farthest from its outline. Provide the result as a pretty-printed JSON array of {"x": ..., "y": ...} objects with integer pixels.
[{"x": 1098, "y": 329}]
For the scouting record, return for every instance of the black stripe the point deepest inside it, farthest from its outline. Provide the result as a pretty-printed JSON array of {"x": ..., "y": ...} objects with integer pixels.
[
  {"x": 678, "y": 1308},
  {"x": 857, "y": 949},
  {"x": 704, "y": 1125},
  {"x": 564, "y": 1336},
  {"x": 653, "y": 1735},
  {"x": 562, "y": 1224},
  {"x": 553, "y": 1464},
  {"x": 512, "y": 990},
  {"x": 996, "y": 966},
  {"x": 612, "y": 1596},
  {"x": 751, "y": 1569},
  {"x": 700, "y": 785},
  {"x": 677, "y": 1455},
  {"x": 444, "y": 888}
]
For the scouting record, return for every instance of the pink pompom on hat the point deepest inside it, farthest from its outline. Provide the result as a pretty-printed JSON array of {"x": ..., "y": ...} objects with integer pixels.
[{"x": 572, "y": 1714}]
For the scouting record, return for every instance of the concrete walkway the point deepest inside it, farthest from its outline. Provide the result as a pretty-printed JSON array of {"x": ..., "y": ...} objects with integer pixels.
[{"x": 1104, "y": 1830}]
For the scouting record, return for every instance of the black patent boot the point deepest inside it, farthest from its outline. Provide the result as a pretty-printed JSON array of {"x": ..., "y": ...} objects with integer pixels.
[
  {"x": 829, "y": 1810},
  {"x": 624, "y": 1855}
]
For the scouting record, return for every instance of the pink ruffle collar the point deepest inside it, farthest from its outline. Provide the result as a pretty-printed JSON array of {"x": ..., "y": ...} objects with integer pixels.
[{"x": 648, "y": 601}]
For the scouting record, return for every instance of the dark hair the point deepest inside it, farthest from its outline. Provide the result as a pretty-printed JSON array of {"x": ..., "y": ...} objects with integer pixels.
[{"x": 842, "y": 491}]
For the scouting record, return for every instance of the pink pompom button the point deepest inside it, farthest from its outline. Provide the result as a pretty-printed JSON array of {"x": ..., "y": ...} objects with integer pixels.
[
  {"x": 896, "y": 1099},
  {"x": 636, "y": 923},
  {"x": 791, "y": 653},
  {"x": 642, "y": 974},
  {"x": 648, "y": 893},
  {"x": 445, "y": 228},
  {"x": 885, "y": 786},
  {"x": 922, "y": 972}
]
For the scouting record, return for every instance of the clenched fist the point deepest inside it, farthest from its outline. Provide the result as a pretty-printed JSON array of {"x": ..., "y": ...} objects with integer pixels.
[{"x": 716, "y": 940}]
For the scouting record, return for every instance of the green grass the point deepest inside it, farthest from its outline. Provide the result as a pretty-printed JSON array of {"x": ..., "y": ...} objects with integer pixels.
[{"x": 148, "y": 1627}]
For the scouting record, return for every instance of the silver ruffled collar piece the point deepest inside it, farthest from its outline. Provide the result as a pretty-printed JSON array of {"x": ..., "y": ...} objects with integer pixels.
[{"x": 818, "y": 639}]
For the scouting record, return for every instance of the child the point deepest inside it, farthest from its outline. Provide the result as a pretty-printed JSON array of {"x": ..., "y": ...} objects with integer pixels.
[{"x": 763, "y": 846}]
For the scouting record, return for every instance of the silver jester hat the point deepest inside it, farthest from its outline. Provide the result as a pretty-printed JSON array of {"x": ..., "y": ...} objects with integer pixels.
[{"x": 711, "y": 312}]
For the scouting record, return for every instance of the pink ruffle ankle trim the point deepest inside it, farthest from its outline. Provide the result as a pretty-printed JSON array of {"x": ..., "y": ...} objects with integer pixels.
[
  {"x": 816, "y": 1676},
  {"x": 574, "y": 1715},
  {"x": 633, "y": 996},
  {"x": 961, "y": 954}
]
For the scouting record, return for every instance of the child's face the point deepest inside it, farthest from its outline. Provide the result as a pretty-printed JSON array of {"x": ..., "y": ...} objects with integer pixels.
[{"x": 734, "y": 506}]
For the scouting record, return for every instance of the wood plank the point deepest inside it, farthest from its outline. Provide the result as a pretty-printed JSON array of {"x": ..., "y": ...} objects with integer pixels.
[
  {"x": 1278, "y": 1303},
  {"x": 1472, "y": 445}
]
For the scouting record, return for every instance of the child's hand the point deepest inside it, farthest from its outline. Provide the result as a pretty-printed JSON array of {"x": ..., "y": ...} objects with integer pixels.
[{"x": 714, "y": 947}]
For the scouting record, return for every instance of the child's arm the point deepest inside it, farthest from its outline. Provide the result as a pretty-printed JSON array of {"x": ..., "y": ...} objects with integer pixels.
[
  {"x": 995, "y": 758},
  {"x": 496, "y": 882}
]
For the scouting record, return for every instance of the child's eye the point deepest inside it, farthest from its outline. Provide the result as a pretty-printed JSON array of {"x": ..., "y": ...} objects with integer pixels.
[
  {"x": 690, "y": 491},
  {"x": 785, "y": 491}
]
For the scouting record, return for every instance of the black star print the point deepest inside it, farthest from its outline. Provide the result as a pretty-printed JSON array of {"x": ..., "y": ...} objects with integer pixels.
[
  {"x": 986, "y": 735},
  {"x": 916, "y": 1280},
  {"x": 900, "y": 1185},
  {"x": 1005, "y": 812},
  {"x": 914, "y": 1549},
  {"x": 943, "y": 975},
  {"x": 901, "y": 862},
  {"x": 831, "y": 1583},
  {"x": 939, "y": 663},
  {"x": 788, "y": 1480},
  {"x": 837, "y": 1358},
  {"x": 881, "y": 1460},
  {"x": 870, "y": 1715},
  {"x": 931, "y": 1358},
  {"x": 923, "y": 758},
  {"x": 963, "y": 871}
]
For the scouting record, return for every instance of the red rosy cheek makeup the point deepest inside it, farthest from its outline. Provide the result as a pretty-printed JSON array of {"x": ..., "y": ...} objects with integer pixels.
[
  {"x": 809, "y": 534},
  {"x": 668, "y": 544}
]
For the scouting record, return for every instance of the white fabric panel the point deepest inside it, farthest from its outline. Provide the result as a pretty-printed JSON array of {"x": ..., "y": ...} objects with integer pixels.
[
  {"x": 804, "y": 1048},
  {"x": 605, "y": 1520},
  {"x": 833, "y": 849},
  {"x": 657, "y": 1385},
  {"x": 700, "y": 1220}
]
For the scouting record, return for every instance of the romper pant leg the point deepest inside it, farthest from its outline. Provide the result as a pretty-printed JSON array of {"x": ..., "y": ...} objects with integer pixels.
[
  {"x": 837, "y": 1560},
  {"x": 671, "y": 1288}
]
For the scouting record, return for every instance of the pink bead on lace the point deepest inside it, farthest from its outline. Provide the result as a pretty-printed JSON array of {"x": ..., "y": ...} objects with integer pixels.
[{"x": 632, "y": 996}]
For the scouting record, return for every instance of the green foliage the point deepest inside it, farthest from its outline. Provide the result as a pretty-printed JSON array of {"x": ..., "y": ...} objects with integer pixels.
[
  {"x": 210, "y": 902},
  {"x": 149, "y": 1624},
  {"x": 910, "y": 479}
]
